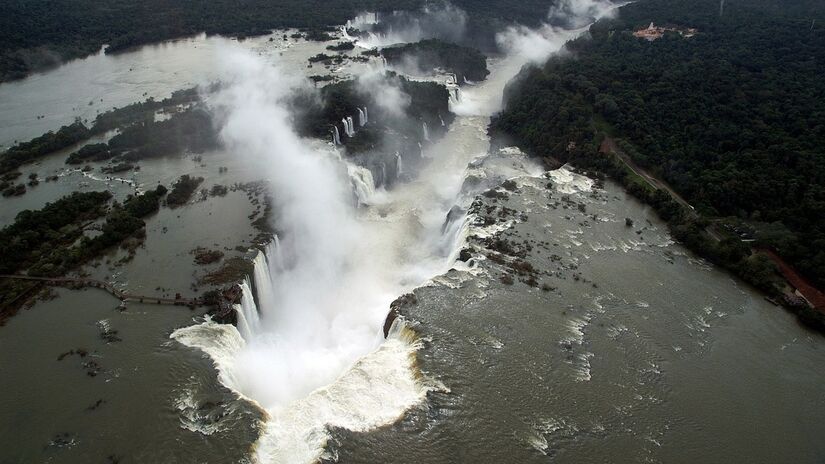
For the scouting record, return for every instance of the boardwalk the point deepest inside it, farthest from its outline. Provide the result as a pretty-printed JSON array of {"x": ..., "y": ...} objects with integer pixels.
[{"x": 122, "y": 296}]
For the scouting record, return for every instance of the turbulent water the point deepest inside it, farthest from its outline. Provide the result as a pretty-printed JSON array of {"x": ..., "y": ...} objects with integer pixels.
[
  {"x": 309, "y": 350},
  {"x": 625, "y": 348}
]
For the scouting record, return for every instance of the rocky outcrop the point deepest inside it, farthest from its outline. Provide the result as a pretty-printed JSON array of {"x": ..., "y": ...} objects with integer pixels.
[{"x": 398, "y": 308}]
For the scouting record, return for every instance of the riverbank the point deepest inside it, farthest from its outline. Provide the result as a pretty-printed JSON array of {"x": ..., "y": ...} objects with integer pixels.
[
  {"x": 725, "y": 186},
  {"x": 702, "y": 236}
]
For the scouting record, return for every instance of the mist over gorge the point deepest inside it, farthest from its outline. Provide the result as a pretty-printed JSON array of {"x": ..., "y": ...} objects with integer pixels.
[{"x": 423, "y": 233}]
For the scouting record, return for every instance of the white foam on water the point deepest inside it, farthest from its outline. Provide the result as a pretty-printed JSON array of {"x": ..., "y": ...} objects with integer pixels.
[
  {"x": 310, "y": 352},
  {"x": 569, "y": 182},
  {"x": 376, "y": 390},
  {"x": 582, "y": 367}
]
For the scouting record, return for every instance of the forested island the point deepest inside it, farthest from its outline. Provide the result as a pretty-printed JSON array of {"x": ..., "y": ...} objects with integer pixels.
[
  {"x": 465, "y": 62},
  {"x": 141, "y": 135},
  {"x": 67, "y": 233},
  {"x": 427, "y": 105},
  {"x": 731, "y": 117}
]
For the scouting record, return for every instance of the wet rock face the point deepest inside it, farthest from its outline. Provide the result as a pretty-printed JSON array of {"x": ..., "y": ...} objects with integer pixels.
[
  {"x": 399, "y": 307},
  {"x": 221, "y": 303}
]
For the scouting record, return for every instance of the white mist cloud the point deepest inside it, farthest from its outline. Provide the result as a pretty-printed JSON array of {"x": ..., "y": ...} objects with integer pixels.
[
  {"x": 297, "y": 350},
  {"x": 532, "y": 45},
  {"x": 577, "y": 13},
  {"x": 536, "y": 45},
  {"x": 388, "y": 96},
  {"x": 443, "y": 21},
  {"x": 313, "y": 353}
]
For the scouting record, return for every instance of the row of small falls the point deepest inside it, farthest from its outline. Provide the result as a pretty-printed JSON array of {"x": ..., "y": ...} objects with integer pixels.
[{"x": 349, "y": 125}]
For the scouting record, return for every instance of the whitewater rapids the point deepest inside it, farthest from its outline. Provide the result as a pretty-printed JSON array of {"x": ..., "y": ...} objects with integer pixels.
[{"x": 309, "y": 349}]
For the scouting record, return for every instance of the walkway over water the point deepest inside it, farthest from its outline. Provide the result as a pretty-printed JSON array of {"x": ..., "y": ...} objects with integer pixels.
[{"x": 122, "y": 296}]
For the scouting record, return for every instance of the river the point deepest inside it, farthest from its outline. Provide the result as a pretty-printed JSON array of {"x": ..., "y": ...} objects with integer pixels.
[{"x": 632, "y": 351}]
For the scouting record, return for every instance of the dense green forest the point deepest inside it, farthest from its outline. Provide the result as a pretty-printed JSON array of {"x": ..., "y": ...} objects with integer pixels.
[
  {"x": 732, "y": 118},
  {"x": 37, "y": 34},
  {"x": 428, "y": 54}
]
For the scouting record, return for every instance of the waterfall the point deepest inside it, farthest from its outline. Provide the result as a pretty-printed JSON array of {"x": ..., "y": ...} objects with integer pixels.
[
  {"x": 317, "y": 360},
  {"x": 366, "y": 116},
  {"x": 442, "y": 120},
  {"x": 249, "y": 320},
  {"x": 399, "y": 165},
  {"x": 426, "y": 132},
  {"x": 350, "y": 126},
  {"x": 421, "y": 150},
  {"x": 451, "y": 79},
  {"x": 457, "y": 94},
  {"x": 361, "y": 118},
  {"x": 336, "y": 136},
  {"x": 362, "y": 183}
]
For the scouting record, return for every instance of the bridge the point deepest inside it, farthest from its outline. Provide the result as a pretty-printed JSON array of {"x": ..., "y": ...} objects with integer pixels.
[{"x": 122, "y": 296}]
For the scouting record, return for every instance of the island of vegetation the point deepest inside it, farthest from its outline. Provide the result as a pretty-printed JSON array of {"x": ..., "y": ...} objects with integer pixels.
[
  {"x": 428, "y": 103},
  {"x": 66, "y": 234},
  {"x": 721, "y": 130},
  {"x": 141, "y": 135},
  {"x": 466, "y": 63}
]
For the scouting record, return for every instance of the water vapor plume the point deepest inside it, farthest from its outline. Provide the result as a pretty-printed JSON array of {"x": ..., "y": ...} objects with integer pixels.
[
  {"x": 311, "y": 192},
  {"x": 323, "y": 287},
  {"x": 386, "y": 95},
  {"x": 579, "y": 13},
  {"x": 435, "y": 21}
]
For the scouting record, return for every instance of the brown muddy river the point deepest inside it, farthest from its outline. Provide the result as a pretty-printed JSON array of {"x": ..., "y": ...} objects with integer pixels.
[{"x": 632, "y": 351}]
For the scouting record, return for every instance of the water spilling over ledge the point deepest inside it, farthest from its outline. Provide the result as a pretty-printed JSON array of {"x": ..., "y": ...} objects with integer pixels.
[{"x": 309, "y": 348}]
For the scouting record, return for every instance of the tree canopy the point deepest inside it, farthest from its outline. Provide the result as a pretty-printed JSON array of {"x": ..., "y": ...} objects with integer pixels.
[{"x": 733, "y": 117}]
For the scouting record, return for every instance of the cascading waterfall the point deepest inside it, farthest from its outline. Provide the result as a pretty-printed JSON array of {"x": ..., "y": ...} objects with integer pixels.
[
  {"x": 399, "y": 165},
  {"x": 361, "y": 118},
  {"x": 425, "y": 131},
  {"x": 362, "y": 183},
  {"x": 442, "y": 120},
  {"x": 249, "y": 321},
  {"x": 454, "y": 96},
  {"x": 336, "y": 136},
  {"x": 366, "y": 116},
  {"x": 363, "y": 19},
  {"x": 310, "y": 351},
  {"x": 349, "y": 128}
]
